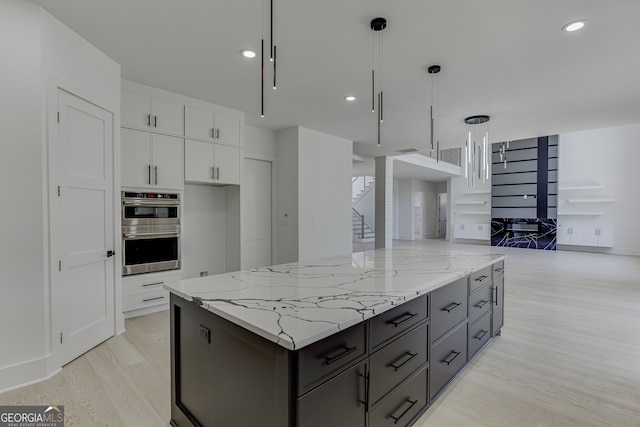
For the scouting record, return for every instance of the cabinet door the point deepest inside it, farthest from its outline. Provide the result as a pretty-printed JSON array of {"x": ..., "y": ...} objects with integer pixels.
[
  {"x": 135, "y": 110},
  {"x": 563, "y": 236},
  {"x": 198, "y": 161},
  {"x": 497, "y": 305},
  {"x": 167, "y": 162},
  {"x": 339, "y": 402},
  {"x": 458, "y": 231},
  {"x": 227, "y": 129},
  {"x": 167, "y": 116},
  {"x": 227, "y": 163},
  {"x": 135, "y": 158},
  {"x": 578, "y": 236},
  {"x": 198, "y": 123},
  {"x": 590, "y": 236},
  {"x": 605, "y": 237}
]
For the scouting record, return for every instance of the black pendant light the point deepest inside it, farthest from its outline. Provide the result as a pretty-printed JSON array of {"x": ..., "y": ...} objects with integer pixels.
[
  {"x": 433, "y": 71},
  {"x": 377, "y": 25}
]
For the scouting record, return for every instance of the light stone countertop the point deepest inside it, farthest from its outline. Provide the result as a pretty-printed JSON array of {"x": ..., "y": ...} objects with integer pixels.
[{"x": 299, "y": 303}]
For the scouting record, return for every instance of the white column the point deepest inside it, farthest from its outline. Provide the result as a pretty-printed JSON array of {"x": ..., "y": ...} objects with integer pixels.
[{"x": 384, "y": 202}]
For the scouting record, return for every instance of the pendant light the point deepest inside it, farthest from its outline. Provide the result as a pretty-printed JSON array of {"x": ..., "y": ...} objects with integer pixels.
[
  {"x": 477, "y": 149},
  {"x": 377, "y": 25},
  {"x": 434, "y": 70},
  {"x": 272, "y": 55}
]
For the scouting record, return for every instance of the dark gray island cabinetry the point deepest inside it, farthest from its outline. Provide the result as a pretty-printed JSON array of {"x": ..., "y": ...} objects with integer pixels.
[{"x": 370, "y": 339}]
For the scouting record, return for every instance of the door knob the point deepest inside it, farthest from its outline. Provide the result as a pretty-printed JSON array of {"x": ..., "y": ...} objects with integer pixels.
[{"x": 110, "y": 253}]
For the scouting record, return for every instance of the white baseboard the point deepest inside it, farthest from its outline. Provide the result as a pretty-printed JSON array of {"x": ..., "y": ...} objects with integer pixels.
[{"x": 25, "y": 373}]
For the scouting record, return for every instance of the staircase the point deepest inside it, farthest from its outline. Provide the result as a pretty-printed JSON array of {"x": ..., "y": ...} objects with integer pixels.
[{"x": 361, "y": 230}]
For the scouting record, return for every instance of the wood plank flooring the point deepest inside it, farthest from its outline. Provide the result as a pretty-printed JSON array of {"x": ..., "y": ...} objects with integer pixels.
[{"x": 569, "y": 355}]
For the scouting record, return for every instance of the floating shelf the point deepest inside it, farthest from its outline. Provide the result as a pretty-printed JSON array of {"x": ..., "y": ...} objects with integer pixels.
[
  {"x": 580, "y": 186},
  {"x": 474, "y": 213},
  {"x": 476, "y": 202},
  {"x": 593, "y": 200},
  {"x": 579, "y": 213},
  {"x": 477, "y": 192}
]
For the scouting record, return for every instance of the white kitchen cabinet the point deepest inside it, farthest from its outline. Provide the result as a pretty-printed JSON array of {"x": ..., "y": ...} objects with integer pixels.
[
  {"x": 144, "y": 293},
  {"x": 206, "y": 162},
  {"x": 598, "y": 236},
  {"x": 152, "y": 113},
  {"x": 462, "y": 231},
  {"x": 481, "y": 231},
  {"x": 151, "y": 160},
  {"x": 570, "y": 235},
  {"x": 211, "y": 125}
]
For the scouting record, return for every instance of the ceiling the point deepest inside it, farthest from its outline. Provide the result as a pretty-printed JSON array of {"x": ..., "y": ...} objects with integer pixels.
[{"x": 504, "y": 58}]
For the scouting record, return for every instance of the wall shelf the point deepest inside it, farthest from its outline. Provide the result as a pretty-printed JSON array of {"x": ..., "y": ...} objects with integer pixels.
[
  {"x": 477, "y": 192},
  {"x": 474, "y": 213},
  {"x": 591, "y": 200},
  {"x": 475, "y": 202},
  {"x": 579, "y": 213}
]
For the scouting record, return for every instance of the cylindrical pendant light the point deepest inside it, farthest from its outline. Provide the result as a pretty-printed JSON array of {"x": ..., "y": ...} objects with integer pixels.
[
  {"x": 377, "y": 25},
  {"x": 477, "y": 163},
  {"x": 434, "y": 70}
]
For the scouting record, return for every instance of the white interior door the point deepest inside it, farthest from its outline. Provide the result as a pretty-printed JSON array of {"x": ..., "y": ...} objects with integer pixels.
[
  {"x": 257, "y": 208},
  {"x": 82, "y": 276},
  {"x": 442, "y": 215}
]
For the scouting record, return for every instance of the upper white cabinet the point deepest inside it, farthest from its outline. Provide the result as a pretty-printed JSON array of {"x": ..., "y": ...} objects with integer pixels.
[
  {"x": 152, "y": 113},
  {"x": 210, "y": 163},
  {"x": 210, "y": 124},
  {"x": 151, "y": 160}
]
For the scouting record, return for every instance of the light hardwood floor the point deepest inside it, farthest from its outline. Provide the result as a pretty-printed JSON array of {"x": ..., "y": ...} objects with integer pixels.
[{"x": 569, "y": 355}]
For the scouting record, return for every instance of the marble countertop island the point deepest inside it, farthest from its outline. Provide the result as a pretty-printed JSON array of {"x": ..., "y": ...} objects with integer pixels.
[{"x": 297, "y": 304}]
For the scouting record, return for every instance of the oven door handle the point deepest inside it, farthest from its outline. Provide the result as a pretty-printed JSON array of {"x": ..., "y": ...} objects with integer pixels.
[
  {"x": 155, "y": 203},
  {"x": 138, "y": 236}
]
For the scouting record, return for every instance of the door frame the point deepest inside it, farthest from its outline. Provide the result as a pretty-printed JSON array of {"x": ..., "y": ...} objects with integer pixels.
[
  {"x": 274, "y": 211},
  {"x": 50, "y": 145}
]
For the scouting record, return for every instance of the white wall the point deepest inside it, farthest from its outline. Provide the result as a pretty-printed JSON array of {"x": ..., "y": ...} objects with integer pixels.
[
  {"x": 203, "y": 238},
  {"x": 429, "y": 192},
  {"x": 38, "y": 51},
  {"x": 404, "y": 218},
  {"x": 286, "y": 237},
  {"x": 608, "y": 157},
  {"x": 22, "y": 258},
  {"x": 260, "y": 143},
  {"x": 324, "y": 195}
]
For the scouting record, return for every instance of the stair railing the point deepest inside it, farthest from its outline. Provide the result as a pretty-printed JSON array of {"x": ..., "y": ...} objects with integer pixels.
[{"x": 361, "y": 218}]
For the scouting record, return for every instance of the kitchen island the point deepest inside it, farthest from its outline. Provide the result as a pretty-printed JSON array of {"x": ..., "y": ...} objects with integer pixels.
[{"x": 365, "y": 339}]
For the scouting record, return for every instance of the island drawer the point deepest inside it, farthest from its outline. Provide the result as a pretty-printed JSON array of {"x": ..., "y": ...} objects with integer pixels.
[
  {"x": 321, "y": 360},
  {"x": 403, "y": 405},
  {"x": 498, "y": 269},
  {"x": 479, "y": 334},
  {"x": 145, "y": 299},
  {"x": 392, "y": 364},
  {"x": 479, "y": 278},
  {"x": 148, "y": 282},
  {"x": 448, "y": 307},
  {"x": 479, "y": 303},
  {"x": 397, "y": 320},
  {"x": 448, "y": 356}
]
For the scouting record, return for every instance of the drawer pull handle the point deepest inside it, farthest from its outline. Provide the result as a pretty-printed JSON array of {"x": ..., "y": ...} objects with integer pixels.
[
  {"x": 366, "y": 390},
  {"x": 451, "y": 306},
  {"x": 480, "y": 335},
  {"x": 499, "y": 270},
  {"x": 153, "y": 284},
  {"x": 449, "y": 358},
  {"x": 346, "y": 350},
  {"x": 397, "y": 322},
  {"x": 411, "y": 402},
  {"x": 397, "y": 366},
  {"x": 152, "y": 299},
  {"x": 481, "y": 278},
  {"x": 481, "y": 304},
  {"x": 495, "y": 301}
]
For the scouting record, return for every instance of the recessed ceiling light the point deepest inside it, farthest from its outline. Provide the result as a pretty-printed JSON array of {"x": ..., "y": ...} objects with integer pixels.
[
  {"x": 247, "y": 53},
  {"x": 574, "y": 26},
  {"x": 350, "y": 98}
]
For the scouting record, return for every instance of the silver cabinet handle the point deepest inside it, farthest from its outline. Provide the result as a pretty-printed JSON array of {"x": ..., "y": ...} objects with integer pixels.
[
  {"x": 148, "y": 119},
  {"x": 149, "y": 174},
  {"x": 218, "y": 133},
  {"x": 155, "y": 121},
  {"x": 213, "y": 172},
  {"x": 218, "y": 173},
  {"x": 213, "y": 133},
  {"x": 156, "y": 172}
]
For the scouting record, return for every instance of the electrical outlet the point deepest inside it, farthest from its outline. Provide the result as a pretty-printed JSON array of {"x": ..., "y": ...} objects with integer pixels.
[
  {"x": 204, "y": 273},
  {"x": 205, "y": 334}
]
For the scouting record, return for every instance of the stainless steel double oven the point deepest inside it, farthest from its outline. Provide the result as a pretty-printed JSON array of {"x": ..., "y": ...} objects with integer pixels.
[{"x": 150, "y": 232}]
